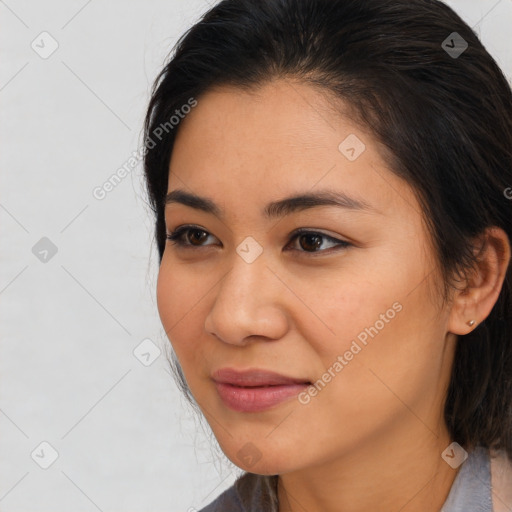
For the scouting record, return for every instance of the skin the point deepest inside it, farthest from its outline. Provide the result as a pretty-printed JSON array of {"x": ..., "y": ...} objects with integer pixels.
[{"x": 372, "y": 438}]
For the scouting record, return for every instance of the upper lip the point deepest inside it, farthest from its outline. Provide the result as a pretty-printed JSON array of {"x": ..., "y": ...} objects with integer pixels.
[{"x": 254, "y": 377}]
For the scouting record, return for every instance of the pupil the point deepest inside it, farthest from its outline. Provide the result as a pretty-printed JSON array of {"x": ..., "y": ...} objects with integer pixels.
[
  {"x": 195, "y": 232},
  {"x": 317, "y": 239}
]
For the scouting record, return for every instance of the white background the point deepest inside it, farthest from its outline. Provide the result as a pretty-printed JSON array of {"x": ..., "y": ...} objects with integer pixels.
[{"x": 126, "y": 440}]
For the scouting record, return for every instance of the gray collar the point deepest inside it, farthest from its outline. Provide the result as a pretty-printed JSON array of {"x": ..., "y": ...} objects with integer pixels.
[{"x": 471, "y": 489}]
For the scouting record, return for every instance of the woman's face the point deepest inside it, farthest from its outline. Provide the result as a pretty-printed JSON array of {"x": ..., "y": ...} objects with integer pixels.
[{"x": 350, "y": 306}]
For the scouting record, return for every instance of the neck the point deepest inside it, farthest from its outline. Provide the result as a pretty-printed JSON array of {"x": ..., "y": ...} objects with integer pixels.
[{"x": 405, "y": 472}]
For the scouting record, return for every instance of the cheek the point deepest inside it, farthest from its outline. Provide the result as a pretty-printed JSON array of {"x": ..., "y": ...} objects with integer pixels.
[
  {"x": 177, "y": 299},
  {"x": 165, "y": 297},
  {"x": 342, "y": 311},
  {"x": 391, "y": 354},
  {"x": 379, "y": 322}
]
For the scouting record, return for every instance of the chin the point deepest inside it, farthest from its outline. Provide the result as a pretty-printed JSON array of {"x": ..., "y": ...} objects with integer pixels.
[
  {"x": 248, "y": 457},
  {"x": 270, "y": 467}
]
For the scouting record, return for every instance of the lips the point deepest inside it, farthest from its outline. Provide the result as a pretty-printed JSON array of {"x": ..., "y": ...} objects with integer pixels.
[
  {"x": 255, "y": 390},
  {"x": 254, "y": 378}
]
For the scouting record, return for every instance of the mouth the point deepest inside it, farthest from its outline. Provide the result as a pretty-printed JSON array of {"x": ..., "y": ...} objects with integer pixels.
[{"x": 255, "y": 390}]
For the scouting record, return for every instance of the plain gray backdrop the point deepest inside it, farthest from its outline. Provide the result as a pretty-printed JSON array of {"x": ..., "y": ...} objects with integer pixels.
[{"x": 90, "y": 417}]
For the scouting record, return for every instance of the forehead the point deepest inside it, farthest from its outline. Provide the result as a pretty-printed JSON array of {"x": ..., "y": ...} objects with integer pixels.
[
  {"x": 255, "y": 146},
  {"x": 278, "y": 118}
]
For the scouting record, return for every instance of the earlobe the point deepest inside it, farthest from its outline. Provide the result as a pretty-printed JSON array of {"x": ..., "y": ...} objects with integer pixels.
[{"x": 472, "y": 305}]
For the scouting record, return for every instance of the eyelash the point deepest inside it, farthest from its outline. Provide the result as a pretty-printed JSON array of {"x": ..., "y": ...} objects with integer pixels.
[{"x": 175, "y": 237}]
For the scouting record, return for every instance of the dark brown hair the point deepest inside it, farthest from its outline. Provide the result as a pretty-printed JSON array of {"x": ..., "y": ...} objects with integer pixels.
[{"x": 444, "y": 116}]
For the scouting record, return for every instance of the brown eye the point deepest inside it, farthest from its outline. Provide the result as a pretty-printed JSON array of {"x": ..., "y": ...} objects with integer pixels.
[
  {"x": 196, "y": 235},
  {"x": 193, "y": 236},
  {"x": 310, "y": 241}
]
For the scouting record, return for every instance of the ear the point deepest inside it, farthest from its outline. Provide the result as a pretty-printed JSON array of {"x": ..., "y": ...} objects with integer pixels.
[{"x": 482, "y": 288}]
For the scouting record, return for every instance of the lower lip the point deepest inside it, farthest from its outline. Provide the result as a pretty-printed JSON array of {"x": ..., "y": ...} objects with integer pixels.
[{"x": 258, "y": 398}]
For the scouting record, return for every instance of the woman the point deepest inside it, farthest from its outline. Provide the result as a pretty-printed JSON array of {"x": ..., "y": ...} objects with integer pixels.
[{"x": 331, "y": 186}]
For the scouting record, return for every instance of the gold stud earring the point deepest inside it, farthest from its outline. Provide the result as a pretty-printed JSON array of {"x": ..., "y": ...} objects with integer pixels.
[{"x": 471, "y": 323}]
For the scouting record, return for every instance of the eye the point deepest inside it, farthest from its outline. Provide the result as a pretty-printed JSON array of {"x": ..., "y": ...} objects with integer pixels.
[
  {"x": 195, "y": 235},
  {"x": 314, "y": 240},
  {"x": 176, "y": 236}
]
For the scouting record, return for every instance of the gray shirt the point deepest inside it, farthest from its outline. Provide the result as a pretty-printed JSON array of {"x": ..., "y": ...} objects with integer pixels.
[{"x": 470, "y": 491}]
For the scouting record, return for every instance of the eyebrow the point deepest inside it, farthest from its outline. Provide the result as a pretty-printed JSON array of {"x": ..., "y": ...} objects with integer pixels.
[{"x": 278, "y": 208}]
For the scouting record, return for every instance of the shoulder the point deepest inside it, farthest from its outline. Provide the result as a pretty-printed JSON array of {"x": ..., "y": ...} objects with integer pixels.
[
  {"x": 501, "y": 481},
  {"x": 249, "y": 493}
]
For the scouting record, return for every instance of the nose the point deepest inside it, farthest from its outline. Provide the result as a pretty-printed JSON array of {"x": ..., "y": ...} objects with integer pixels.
[{"x": 249, "y": 304}]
